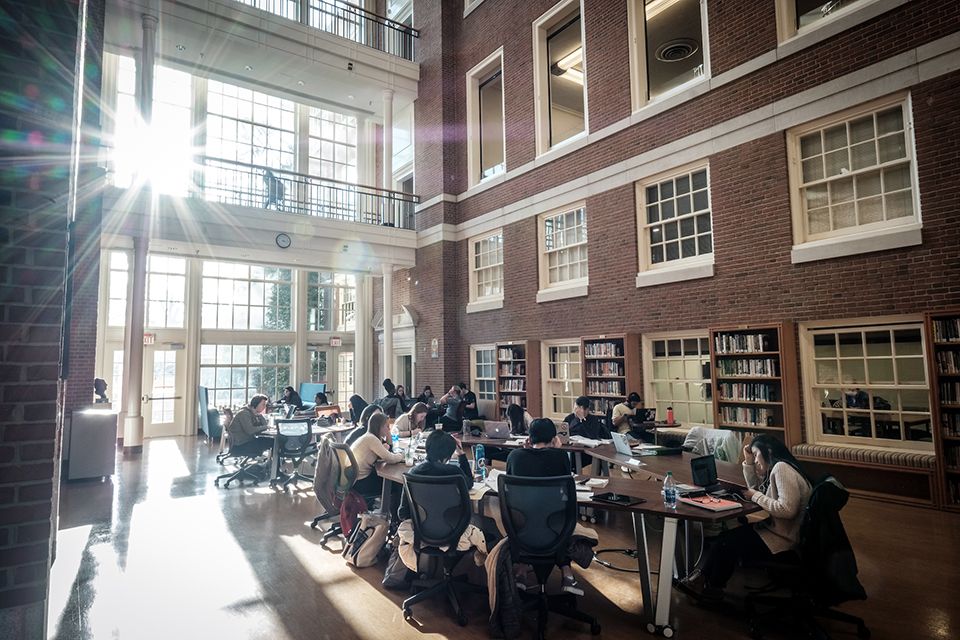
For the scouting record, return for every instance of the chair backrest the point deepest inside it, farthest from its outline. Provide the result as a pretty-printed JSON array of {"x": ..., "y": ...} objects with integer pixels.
[
  {"x": 294, "y": 435},
  {"x": 348, "y": 467},
  {"x": 309, "y": 390},
  {"x": 327, "y": 475},
  {"x": 722, "y": 443},
  {"x": 539, "y": 514},
  {"x": 440, "y": 508},
  {"x": 328, "y": 411}
]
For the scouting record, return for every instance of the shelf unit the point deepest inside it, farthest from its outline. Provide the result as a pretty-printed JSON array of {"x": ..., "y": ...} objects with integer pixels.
[
  {"x": 611, "y": 368},
  {"x": 754, "y": 377},
  {"x": 518, "y": 376},
  {"x": 943, "y": 359}
]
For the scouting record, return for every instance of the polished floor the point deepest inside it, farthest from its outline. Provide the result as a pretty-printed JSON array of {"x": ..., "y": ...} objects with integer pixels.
[{"x": 159, "y": 552}]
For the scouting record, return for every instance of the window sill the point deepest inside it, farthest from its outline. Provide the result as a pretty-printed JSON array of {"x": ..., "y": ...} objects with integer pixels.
[
  {"x": 830, "y": 26},
  {"x": 470, "y": 6},
  {"x": 569, "y": 145},
  {"x": 487, "y": 304},
  {"x": 675, "y": 273},
  {"x": 907, "y": 235},
  {"x": 563, "y": 292}
]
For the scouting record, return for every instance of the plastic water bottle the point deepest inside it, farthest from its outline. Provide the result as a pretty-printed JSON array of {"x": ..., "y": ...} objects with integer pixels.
[
  {"x": 466, "y": 429},
  {"x": 481, "y": 462},
  {"x": 670, "y": 491},
  {"x": 395, "y": 439}
]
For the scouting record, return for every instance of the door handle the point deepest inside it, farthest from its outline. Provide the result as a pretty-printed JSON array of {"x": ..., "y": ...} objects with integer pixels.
[{"x": 149, "y": 398}]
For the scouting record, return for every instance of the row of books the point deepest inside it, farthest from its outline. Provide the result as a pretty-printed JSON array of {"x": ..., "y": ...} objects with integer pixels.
[
  {"x": 603, "y": 350},
  {"x": 749, "y": 391},
  {"x": 513, "y": 384},
  {"x": 605, "y": 387},
  {"x": 603, "y": 405},
  {"x": 742, "y": 342},
  {"x": 946, "y": 330},
  {"x": 951, "y": 456},
  {"x": 508, "y": 353},
  {"x": 604, "y": 368},
  {"x": 506, "y": 401},
  {"x": 950, "y": 423},
  {"x": 746, "y": 416},
  {"x": 950, "y": 392},
  {"x": 748, "y": 367},
  {"x": 513, "y": 369},
  {"x": 953, "y": 487},
  {"x": 948, "y": 361}
]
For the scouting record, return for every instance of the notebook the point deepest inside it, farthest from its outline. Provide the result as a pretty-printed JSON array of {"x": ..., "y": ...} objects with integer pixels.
[{"x": 710, "y": 503}]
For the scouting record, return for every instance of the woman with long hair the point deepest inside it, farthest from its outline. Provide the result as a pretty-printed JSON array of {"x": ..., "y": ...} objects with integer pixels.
[
  {"x": 362, "y": 422},
  {"x": 357, "y": 404},
  {"x": 412, "y": 422}
]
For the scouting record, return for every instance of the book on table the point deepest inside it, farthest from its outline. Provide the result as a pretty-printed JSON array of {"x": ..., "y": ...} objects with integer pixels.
[{"x": 711, "y": 503}]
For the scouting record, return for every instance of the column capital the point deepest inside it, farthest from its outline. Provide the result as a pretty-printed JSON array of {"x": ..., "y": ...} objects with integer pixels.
[
  {"x": 149, "y": 21},
  {"x": 388, "y": 94},
  {"x": 387, "y": 269}
]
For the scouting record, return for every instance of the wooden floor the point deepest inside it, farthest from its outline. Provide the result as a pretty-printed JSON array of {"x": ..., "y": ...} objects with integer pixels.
[{"x": 159, "y": 552}]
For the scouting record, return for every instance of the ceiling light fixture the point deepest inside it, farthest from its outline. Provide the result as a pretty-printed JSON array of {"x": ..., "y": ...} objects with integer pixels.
[
  {"x": 677, "y": 50},
  {"x": 655, "y": 7},
  {"x": 248, "y": 68},
  {"x": 181, "y": 47},
  {"x": 564, "y": 67}
]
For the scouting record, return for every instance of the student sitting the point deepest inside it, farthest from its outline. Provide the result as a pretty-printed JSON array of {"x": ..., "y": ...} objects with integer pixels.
[
  {"x": 412, "y": 422},
  {"x": 583, "y": 423},
  {"x": 362, "y": 422},
  {"x": 356, "y": 404},
  {"x": 292, "y": 398},
  {"x": 776, "y": 483},
  {"x": 541, "y": 459},
  {"x": 246, "y": 425},
  {"x": 369, "y": 449},
  {"x": 390, "y": 403},
  {"x": 519, "y": 421}
]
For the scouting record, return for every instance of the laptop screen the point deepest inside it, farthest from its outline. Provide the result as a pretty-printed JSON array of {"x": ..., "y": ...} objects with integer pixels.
[
  {"x": 646, "y": 415},
  {"x": 704, "y": 470}
]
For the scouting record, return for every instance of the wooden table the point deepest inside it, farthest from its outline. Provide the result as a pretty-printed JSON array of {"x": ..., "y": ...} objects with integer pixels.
[{"x": 572, "y": 448}]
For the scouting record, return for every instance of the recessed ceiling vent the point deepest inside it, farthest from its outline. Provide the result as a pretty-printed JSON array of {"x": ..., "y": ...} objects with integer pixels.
[{"x": 677, "y": 50}]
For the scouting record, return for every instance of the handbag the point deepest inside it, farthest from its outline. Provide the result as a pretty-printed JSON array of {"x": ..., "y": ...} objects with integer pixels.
[
  {"x": 396, "y": 575},
  {"x": 367, "y": 539}
]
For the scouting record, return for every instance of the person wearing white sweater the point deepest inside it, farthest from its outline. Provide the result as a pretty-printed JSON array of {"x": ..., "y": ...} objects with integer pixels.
[
  {"x": 776, "y": 482},
  {"x": 369, "y": 449}
]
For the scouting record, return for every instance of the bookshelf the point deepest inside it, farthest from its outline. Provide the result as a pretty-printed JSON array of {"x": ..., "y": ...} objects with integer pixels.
[
  {"x": 518, "y": 376},
  {"x": 611, "y": 368},
  {"x": 755, "y": 379},
  {"x": 943, "y": 359}
]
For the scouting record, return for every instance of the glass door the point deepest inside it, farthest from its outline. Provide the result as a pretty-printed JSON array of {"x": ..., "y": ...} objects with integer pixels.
[{"x": 163, "y": 395}]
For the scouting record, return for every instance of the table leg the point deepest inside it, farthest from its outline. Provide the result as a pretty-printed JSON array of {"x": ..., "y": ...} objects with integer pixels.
[
  {"x": 386, "y": 497},
  {"x": 665, "y": 576},
  {"x": 275, "y": 459},
  {"x": 643, "y": 566}
]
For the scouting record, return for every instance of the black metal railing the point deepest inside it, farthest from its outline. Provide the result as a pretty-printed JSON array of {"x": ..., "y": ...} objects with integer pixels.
[
  {"x": 347, "y": 21},
  {"x": 250, "y": 185}
]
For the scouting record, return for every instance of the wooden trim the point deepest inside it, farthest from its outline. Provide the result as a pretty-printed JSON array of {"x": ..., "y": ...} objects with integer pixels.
[
  {"x": 940, "y": 445},
  {"x": 531, "y": 351},
  {"x": 630, "y": 360}
]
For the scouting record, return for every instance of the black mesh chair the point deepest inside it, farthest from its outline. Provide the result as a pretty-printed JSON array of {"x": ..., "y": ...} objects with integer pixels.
[
  {"x": 440, "y": 511},
  {"x": 250, "y": 464},
  {"x": 539, "y": 515},
  {"x": 819, "y": 575},
  {"x": 294, "y": 443}
]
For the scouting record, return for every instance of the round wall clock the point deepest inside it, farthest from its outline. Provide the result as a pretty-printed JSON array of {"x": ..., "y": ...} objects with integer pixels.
[{"x": 283, "y": 241}]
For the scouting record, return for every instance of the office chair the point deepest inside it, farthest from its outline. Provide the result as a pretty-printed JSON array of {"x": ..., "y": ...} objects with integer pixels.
[
  {"x": 249, "y": 467},
  {"x": 539, "y": 515},
  {"x": 295, "y": 443},
  {"x": 820, "y": 574},
  {"x": 440, "y": 511},
  {"x": 346, "y": 478}
]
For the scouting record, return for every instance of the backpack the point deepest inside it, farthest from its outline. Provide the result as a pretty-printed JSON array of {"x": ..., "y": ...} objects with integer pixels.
[
  {"x": 350, "y": 509},
  {"x": 367, "y": 539}
]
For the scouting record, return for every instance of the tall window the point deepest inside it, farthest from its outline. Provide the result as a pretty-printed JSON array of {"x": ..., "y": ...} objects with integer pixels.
[
  {"x": 675, "y": 221},
  {"x": 565, "y": 79},
  {"x": 562, "y": 383},
  {"x": 491, "y": 125},
  {"x": 285, "y": 8},
  {"x": 117, "y": 288},
  {"x": 868, "y": 385},
  {"x": 338, "y": 17},
  {"x": 484, "y": 369},
  {"x": 486, "y": 268},
  {"x": 331, "y": 300},
  {"x": 116, "y": 379},
  {"x": 246, "y": 127},
  {"x": 165, "y": 150},
  {"x": 166, "y": 288},
  {"x": 318, "y": 368},
  {"x": 668, "y": 48},
  {"x": 344, "y": 378},
  {"x": 564, "y": 247},
  {"x": 680, "y": 378},
  {"x": 242, "y": 296},
  {"x": 333, "y": 145},
  {"x": 164, "y": 386},
  {"x": 853, "y": 173},
  {"x": 235, "y": 372}
]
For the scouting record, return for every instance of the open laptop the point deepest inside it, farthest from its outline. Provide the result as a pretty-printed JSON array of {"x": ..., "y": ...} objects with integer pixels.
[
  {"x": 646, "y": 415},
  {"x": 496, "y": 430},
  {"x": 704, "y": 471},
  {"x": 622, "y": 444}
]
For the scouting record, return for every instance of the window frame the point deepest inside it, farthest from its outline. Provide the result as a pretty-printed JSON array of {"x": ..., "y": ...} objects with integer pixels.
[
  {"x": 637, "y": 30},
  {"x": 649, "y": 378},
  {"x": 248, "y": 390},
  {"x": 699, "y": 266},
  {"x": 476, "y": 77},
  {"x": 572, "y": 288},
  {"x": 841, "y": 19},
  {"x": 874, "y": 236},
  {"x": 292, "y": 284},
  {"x": 548, "y": 396},
  {"x": 483, "y": 303},
  {"x": 541, "y": 90},
  {"x": 475, "y": 378},
  {"x": 810, "y": 386}
]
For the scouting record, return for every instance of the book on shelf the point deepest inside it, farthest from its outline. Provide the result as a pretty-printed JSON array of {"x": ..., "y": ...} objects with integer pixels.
[
  {"x": 748, "y": 367},
  {"x": 513, "y": 384},
  {"x": 950, "y": 423},
  {"x": 948, "y": 362},
  {"x": 605, "y": 388},
  {"x": 747, "y": 416},
  {"x": 603, "y": 349},
  {"x": 710, "y": 503},
  {"x": 946, "y": 330},
  {"x": 748, "y": 391},
  {"x": 743, "y": 343},
  {"x": 510, "y": 353},
  {"x": 602, "y": 405},
  {"x": 950, "y": 393},
  {"x": 604, "y": 369}
]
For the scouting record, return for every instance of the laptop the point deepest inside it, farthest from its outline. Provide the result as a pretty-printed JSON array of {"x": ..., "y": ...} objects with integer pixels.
[
  {"x": 704, "y": 471},
  {"x": 496, "y": 430},
  {"x": 646, "y": 415},
  {"x": 622, "y": 444}
]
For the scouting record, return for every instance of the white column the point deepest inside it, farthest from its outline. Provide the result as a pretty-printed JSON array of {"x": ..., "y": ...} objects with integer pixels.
[
  {"x": 388, "y": 321},
  {"x": 191, "y": 313},
  {"x": 301, "y": 356},
  {"x": 362, "y": 351},
  {"x": 388, "y": 213}
]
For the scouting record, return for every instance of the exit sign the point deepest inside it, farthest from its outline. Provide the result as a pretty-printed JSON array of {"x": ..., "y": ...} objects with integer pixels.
[
  {"x": 149, "y": 338},
  {"x": 335, "y": 341}
]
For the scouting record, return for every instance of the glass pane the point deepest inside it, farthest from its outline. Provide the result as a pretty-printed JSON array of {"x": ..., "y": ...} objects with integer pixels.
[
  {"x": 827, "y": 372},
  {"x": 824, "y": 346},
  {"x": 566, "y": 80},
  {"x": 915, "y": 400},
  {"x": 878, "y": 343},
  {"x": 851, "y": 345},
  {"x": 881, "y": 370},
  {"x": 908, "y": 342},
  {"x": 911, "y": 371},
  {"x": 852, "y": 372},
  {"x": 672, "y": 61}
]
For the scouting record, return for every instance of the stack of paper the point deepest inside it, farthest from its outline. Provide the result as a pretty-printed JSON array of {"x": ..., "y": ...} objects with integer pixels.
[
  {"x": 491, "y": 480},
  {"x": 587, "y": 442}
]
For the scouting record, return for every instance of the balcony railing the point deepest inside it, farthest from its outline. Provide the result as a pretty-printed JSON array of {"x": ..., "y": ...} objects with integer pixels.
[{"x": 347, "y": 21}]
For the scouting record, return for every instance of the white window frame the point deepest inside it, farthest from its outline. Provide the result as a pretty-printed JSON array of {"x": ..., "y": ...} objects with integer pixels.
[
  {"x": 154, "y": 275},
  {"x": 700, "y": 266},
  {"x": 649, "y": 390},
  {"x": 839, "y": 20},
  {"x": 478, "y": 75},
  {"x": 469, "y": 6},
  {"x": 250, "y": 280},
  {"x": 878, "y": 236},
  {"x": 475, "y": 378},
  {"x": 541, "y": 90},
  {"x": 548, "y": 395},
  {"x": 637, "y": 26},
  {"x": 483, "y": 303},
  {"x": 248, "y": 391},
  {"x": 345, "y": 376},
  {"x": 810, "y": 387},
  {"x": 575, "y": 288},
  {"x": 120, "y": 299}
]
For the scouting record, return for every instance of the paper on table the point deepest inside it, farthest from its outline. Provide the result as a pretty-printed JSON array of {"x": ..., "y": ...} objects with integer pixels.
[
  {"x": 647, "y": 445},
  {"x": 587, "y": 442},
  {"x": 491, "y": 480},
  {"x": 584, "y": 496},
  {"x": 597, "y": 482},
  {"x": 478, "y": 490},
  {"x": 634, "y": 463}
]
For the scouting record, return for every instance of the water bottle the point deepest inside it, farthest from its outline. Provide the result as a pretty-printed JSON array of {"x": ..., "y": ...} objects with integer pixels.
[
  {"x": 466, "y": 429},
  {"x": 670, "y": 491},
  {"x": 481, "y": 462},
  {"x": 409, "y": 453},
  {"x": 669, "y": 415},
  {"x": 395, "y": 439}
]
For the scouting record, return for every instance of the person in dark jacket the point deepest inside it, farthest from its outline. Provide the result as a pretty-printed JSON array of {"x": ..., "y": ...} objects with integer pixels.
[
  {"x": 291, "y": 397},
  {"x": 361, "y": 422},
  {"x": 583, "y": 423},
  {"x": 390, "y": 403},
  {"x": 356, "y": 404}
]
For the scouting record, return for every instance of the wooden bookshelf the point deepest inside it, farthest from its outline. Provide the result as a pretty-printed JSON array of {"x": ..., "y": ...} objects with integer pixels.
[
  {"x": 754, "y": 377},
  {"x": 518, "y": 376},
  {"x": 611, "y": 368},
  {"x": 943, "y": 360}
]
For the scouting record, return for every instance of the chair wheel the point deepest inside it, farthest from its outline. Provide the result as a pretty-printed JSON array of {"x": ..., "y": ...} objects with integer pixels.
[
  {"x": 462, "y": 619},
  {"x": 595, "y": 628},
  {"x": 407, "y": 613},
  {"x": 314, "y": 524},
  {"x": 667, "y": 631},
  {"x": 216, "y": 483},
  {"x": 651, "y": 628}
]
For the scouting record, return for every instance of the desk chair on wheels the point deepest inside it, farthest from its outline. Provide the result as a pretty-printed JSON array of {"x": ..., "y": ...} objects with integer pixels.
[
  {"x": 294, "y": 443},
  {"x": 440, "y": 511},
  {"x": 249, "y": 467},
  {"x": 539, "y": 515},
  {"x": 344, "y": 477}
]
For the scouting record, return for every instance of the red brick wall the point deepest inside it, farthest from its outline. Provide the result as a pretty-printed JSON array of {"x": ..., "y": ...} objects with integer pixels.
[{"x": 739, "y": 31}]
